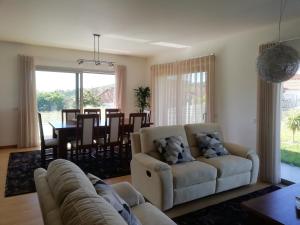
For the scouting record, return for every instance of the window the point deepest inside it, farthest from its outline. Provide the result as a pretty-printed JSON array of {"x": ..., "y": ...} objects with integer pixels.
[
  {"x": 290, "y": 129},
  {"x": 181, "y": 98},
  {"x": 98, "y": 90},
  {"x": 69, "y": 90},
  {"x": 183, "y": 91}
]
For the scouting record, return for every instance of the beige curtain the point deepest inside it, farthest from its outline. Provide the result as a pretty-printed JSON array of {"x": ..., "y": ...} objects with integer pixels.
[
  {"x": 268, "y": 128},
  {"x": 120, "y": 87},
  {"x": 183, "y": 92},
  {"x": 28, "y": 131}
]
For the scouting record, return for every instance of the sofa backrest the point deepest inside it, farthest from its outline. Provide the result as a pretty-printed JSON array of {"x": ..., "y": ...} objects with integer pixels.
[
  {"x": 66, "y": 196},
  {"x": 65, "y": 177},
  {"x": 149, "y": 134},
  {"x": 191, "y": 131},
  {"x": 83, "y": 207}
]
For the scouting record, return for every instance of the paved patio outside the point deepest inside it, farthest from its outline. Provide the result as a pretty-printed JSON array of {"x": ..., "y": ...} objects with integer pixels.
[{"x": 290, "y": 173}]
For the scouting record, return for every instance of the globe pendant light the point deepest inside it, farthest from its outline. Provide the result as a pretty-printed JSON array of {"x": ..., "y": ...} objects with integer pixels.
[{"x": 278, "y": 63}]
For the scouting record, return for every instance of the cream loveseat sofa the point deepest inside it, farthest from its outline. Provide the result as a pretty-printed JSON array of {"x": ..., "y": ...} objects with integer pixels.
[
  {"x": 168, "y": 185},
  {"x": 68, "y": 197}
]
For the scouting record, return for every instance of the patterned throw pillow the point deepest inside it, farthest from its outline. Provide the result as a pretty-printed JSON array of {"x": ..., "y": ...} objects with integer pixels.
[
  {"x": 210, "y": 145},
  {"x": 112, "y": 197},
  {"x": 172, "y": 150}
]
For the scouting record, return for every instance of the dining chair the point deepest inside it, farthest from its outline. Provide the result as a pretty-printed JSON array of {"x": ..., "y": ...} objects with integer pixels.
[
  {"x": 136, "y": 122},
  {"x": 93, "y": 111},
  {"x": 148, "y": 116},
  {"x": 48, "y": 146},
  {"x": 69, "y": 115},
  {"x": 114, "y": 125},
  {"x": 108, "y": 111},
  {"x": 85, "y": 135}
]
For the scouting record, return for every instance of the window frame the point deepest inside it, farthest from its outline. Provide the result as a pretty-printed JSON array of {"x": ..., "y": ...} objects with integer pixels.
[{"x": 78, "y": 78}]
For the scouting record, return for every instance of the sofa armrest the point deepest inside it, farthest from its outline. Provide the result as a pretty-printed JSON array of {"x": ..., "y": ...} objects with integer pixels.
[
  {"x": 151, "y": 163},
  {"x": 238, "y": 150},
  {"x": 127, "y": 192},
  {"x": 247, "y": 153},
  {"x": 135, "y": 139},
  {"x": 154, "y": 179}
]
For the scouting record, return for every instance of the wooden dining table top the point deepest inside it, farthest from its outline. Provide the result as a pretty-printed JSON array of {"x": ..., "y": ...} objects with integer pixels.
[{"x": 58, "y": 125}]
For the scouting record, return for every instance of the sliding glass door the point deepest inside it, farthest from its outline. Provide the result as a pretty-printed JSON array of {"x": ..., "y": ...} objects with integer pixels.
[
  {"x": 98, "y": 90},
  {"x": 70, "y": 90},
  {"x": 55, "y": 91},
  {"x": 290, "y": 129}
]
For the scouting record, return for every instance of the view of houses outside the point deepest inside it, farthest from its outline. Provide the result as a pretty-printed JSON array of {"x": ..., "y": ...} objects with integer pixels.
[{"x": 290, "y": 126}]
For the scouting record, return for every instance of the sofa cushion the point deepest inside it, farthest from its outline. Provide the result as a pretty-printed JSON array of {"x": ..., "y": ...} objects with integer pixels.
[
  {"x": 82, "y": 207},
  {"x": 228, "y": 165},
  {"x": 190, "y": 173},
  {"x": 210, "y": 146},
  {"x": 65, "y": 177},
  {"x": 150, "y": 215},
  {"x": 112, "y": 197},
  {"x": 172, "y": 150},
  {"x": 192, "y": 129},
  {"x": 149, "y": 134}
]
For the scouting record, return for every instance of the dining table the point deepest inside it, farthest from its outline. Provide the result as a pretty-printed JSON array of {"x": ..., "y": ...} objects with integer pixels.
[{"x": 63, "y": 131}]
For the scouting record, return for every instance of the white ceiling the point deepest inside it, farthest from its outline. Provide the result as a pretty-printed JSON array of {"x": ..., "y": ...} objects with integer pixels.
[{"x": 129, "y": 26}]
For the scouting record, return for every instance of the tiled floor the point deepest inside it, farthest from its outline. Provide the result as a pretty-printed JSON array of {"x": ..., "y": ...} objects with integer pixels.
[{"x": 290, "y": 173}]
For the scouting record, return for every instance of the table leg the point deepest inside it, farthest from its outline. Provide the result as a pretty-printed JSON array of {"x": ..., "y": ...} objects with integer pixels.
[{"x": 62, "y": 144}]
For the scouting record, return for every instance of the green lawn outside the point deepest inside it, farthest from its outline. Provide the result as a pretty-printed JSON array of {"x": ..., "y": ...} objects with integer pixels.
[{"x": 290, "y": 152}]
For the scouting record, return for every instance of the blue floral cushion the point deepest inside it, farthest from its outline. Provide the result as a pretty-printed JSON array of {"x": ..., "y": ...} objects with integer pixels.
[
  {"x": 112, "y": 197},
  {"x": 210, "y": 145},
  {"x": 172, "y": 150}
]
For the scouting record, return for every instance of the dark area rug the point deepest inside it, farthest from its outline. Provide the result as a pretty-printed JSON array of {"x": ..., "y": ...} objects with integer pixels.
[
  {"x": 225, "y": 213},
  {"x": 21, "y": 166}
]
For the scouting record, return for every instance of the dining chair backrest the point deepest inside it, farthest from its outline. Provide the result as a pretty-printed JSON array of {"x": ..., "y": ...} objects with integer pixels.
[
  {"x": 69, "y": 115},
  {"x": 108, "y": 111},
  {"x": 114, "y": 124},
  {"x": 86, "y": 124},
  {"x": 93, "y": 111},
  {"x": 42, "y": 138},
  {"x": 137, "y": 121},
  {"x": 148, "y": 115}
]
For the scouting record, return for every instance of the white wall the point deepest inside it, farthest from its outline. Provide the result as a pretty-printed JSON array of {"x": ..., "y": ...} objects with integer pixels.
[
  {"x": 44, "y": 56},
  {"x": 236, "y": 77}
]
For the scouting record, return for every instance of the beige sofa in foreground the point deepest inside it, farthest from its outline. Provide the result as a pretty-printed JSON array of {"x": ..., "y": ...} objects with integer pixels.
[
  {"x": 67, "y": 197},
  {"x": 168, "y": 185}
]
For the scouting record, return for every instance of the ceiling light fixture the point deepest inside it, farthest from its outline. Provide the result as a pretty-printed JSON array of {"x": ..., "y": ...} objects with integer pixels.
[
  {"x": 96, "y": 59},
  {"x": 278, "y": 63},
  {"x": 170, "y": 45}
]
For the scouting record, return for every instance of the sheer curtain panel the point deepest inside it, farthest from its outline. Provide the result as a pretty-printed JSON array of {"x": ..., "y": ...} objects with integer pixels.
[
  {"x": 120, "y": 87},
  {"x": 28, "y": 130},
  {"x": 268, "y": 128},
  {"x": 183, "y": 92}
]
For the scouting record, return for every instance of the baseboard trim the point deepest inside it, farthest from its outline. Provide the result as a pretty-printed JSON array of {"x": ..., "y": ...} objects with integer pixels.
[{"x": 8, "y": 146}]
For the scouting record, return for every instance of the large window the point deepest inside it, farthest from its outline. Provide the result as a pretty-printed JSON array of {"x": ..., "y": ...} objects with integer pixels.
[
  {"x": 290, "y": 129},
  {"x": 181, "y": 99},
  {"x": 183, "y": 91},
  {"x": 69, "y": 90},
  {"x": 98, "y": 90}
]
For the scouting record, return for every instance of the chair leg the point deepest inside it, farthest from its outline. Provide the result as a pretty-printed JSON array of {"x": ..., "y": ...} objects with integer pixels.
[
  {"x": 43, "y": 158},
  {"x": 77, "y": 153},
  {"x": 55, "y": 152}
]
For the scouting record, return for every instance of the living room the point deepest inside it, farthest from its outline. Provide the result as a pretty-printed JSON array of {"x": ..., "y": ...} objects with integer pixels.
[{"x": 214, "y": 44}]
